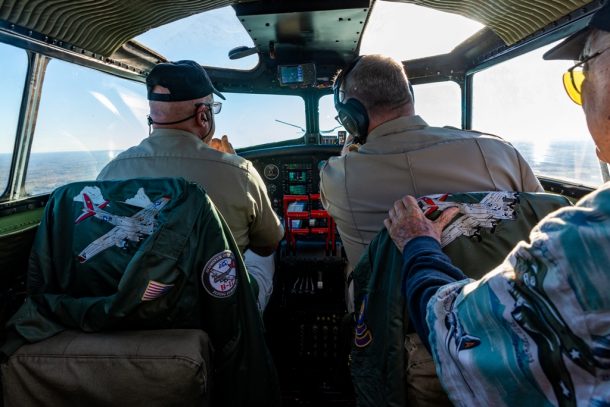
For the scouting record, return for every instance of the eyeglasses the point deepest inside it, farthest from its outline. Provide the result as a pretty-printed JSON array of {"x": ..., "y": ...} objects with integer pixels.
[
  {"x": 215, "y": 107},
  {"x": 575, "y": 76}
]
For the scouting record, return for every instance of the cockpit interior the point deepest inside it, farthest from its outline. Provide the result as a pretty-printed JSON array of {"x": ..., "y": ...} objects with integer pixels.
[{"x": 74, "y": 75}]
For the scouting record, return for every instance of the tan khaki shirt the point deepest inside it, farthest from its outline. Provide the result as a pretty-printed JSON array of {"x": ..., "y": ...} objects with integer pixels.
[
  {"x": 406, "y": 156},
  {"x": 231, "y": 181}
]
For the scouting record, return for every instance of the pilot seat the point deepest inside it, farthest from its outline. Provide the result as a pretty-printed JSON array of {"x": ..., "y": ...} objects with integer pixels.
[{"x": 136, "y": 295}]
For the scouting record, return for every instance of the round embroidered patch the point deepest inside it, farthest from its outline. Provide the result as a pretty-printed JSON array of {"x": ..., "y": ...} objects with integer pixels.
[{"x": 219, "y": 276}]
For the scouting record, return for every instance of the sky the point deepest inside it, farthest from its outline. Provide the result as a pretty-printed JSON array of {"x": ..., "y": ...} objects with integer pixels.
[{"x": 519, "y": 100}]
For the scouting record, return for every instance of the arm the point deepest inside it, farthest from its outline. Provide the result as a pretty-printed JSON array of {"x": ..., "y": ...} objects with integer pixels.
[
  {"x": 265, "y": 229},
  {"x": 425, "y": 269},
  {"x": 263, "y": 250}
]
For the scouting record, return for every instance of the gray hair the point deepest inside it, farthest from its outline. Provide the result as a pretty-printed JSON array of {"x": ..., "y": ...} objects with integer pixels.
[{"x": 379, "y": 83}]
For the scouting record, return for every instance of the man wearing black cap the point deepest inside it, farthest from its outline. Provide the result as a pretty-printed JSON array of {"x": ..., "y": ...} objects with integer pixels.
[
  {"x": 181, "y": 144},
  {"x": 536, "y": 330}
]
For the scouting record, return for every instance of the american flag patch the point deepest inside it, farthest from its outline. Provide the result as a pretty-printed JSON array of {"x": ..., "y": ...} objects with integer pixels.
[{"x": 155, "y": 290}]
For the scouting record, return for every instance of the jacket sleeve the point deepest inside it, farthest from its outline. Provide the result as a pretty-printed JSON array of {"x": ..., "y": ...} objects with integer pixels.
[
  {"x": 425, "y": 269},
  {"x": 265, "y": 227}
]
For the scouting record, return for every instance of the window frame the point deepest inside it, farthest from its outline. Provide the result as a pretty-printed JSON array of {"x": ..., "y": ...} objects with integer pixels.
[{"x": 17, "y": 155}]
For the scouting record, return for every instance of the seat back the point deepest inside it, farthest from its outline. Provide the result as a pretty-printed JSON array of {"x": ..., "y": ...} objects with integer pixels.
[
  {"x": 478, "y": 240},
  {"x": 146, "y": 254}
]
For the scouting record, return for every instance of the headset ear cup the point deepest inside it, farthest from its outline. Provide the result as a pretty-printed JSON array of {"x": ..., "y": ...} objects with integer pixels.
[
  {"x": 411, "y": 92},
  {"x": 354, "y": 118}
]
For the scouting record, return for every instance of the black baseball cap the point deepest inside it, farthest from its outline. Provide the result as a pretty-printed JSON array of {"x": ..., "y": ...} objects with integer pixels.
[
  {"x": 571, "y": 48},
  {"x": 186, "y": 80}
]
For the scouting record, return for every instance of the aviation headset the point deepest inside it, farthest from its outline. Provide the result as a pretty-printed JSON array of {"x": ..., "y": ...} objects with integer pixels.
[
  {"x": 206, "y": 117},
  {"x": 352, "y": 114}
]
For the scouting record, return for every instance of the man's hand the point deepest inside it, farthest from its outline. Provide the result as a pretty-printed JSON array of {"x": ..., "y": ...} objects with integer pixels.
[
  {"x": 407, "y": 221},
  {"x": 222, "y": 145}
]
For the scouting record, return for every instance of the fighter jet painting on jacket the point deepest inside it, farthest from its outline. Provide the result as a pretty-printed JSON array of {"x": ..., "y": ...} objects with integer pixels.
[
  {"x": 127, "y": 228},
  {"x": 487, "y": 213}
]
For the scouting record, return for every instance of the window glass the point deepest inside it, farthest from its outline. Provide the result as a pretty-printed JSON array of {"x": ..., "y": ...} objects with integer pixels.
[
  {"x": 14, "y": 70},
  {"x": 439, "y": 104},
  {"x": 205, "y": 37},
  {"x": 85, "y": 119},
  {"x": 249, "y": 119},
  {"x": 327, "y": 112},
  {"x": 523, "y": 101},
  {"x": 406, "y": 31}
]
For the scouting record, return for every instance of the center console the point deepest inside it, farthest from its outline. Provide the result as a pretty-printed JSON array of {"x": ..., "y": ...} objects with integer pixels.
[{"x": 308, "y": 330}]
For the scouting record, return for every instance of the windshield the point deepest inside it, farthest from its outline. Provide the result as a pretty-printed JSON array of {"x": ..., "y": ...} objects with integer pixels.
[
  {"x": 523, "y": 101},
  {"x": 205, "y": 38},
  {"x": 14, "y": 65},
  {"x": 406, "y": 31},
  {"x": 259, "y": 119},
  {"x": 437, "y": 103}
]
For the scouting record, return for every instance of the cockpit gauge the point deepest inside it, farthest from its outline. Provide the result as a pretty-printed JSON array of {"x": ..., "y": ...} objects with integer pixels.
[
  {"x": 271, "y": 188},
  {"x": 271, "y": 172}
]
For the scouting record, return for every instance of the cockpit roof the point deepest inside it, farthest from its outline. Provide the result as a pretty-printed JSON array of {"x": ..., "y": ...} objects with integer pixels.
[
  {"x": 328, "y": 32},
  {"x": 104, "y": 26}
]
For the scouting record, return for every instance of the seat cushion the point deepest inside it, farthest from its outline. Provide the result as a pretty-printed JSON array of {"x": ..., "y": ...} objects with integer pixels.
[{"x": 152, "y": 368}]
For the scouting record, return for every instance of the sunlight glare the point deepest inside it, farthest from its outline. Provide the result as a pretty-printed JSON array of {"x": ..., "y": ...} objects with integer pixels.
[
  {"x": 540, "y": 150},
  {"x": 137, "y": 105},
  {"x": 103, "y": 99},
  {"x": 406, "y": 31}
]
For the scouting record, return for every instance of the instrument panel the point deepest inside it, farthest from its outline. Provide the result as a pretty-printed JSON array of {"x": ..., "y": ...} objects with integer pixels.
[{"x": 291, "y": 174}]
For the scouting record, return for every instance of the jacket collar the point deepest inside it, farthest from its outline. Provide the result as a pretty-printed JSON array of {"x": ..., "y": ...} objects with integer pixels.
[
  {"x": 401, "y": 124},
  {"x": 175, "y": 132}
]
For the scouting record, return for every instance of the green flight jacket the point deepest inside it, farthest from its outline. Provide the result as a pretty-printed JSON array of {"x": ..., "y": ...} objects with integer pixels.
[
  {"x": 147, "y": 254},
  {"x": 378, "y": 356}
]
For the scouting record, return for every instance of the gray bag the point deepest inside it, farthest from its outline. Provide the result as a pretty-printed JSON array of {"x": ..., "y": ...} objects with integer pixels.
[{"x": 130, "y": 368}]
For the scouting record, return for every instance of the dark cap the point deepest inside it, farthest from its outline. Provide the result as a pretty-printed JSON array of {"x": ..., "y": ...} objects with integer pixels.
[
  {"x": 186, "y": 80},
  {"x": 571, "y": 48}
]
